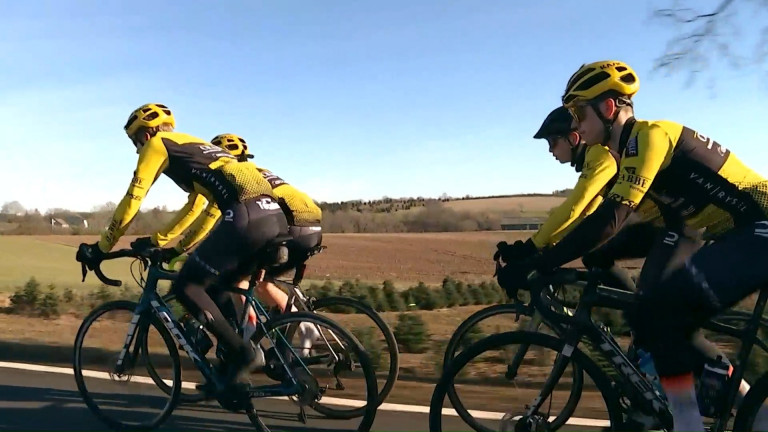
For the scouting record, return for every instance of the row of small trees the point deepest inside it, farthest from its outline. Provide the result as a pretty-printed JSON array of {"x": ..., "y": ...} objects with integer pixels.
[{"x": 386, "y": 298}]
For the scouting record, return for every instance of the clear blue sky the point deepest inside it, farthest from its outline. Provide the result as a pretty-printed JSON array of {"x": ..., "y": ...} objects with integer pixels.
[{"x": 344, "y": 99}]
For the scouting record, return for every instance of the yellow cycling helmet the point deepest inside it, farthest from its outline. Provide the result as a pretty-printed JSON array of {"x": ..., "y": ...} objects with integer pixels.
[
  {"x": 148, "y": 115},
  {"x": 234, "y": 144},
  {"x": 594, "y": 79}
]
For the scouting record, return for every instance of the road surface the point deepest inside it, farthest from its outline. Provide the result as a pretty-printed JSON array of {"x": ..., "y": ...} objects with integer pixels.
[{"x": 34, "y": 397}]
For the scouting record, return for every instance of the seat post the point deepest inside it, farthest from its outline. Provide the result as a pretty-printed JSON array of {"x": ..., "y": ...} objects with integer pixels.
[{"x": 298, "y": 276}]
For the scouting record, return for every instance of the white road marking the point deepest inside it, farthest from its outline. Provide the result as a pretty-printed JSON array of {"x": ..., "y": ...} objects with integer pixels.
[{"x": 386, "y": 406}]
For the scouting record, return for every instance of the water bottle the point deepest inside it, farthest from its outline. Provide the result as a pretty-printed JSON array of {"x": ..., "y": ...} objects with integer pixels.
[
  {"x": 648, "y": 368},
  {"x": 711, "y": 386},
  {"x": 196, "y": 334}
]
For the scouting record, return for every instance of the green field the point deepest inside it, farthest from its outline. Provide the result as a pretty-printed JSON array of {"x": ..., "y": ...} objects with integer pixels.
[{"x": 49, "y": 262}]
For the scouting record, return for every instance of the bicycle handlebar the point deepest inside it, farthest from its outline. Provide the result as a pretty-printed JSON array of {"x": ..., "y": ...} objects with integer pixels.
[
  {"x": 561, "y": 276},
  {"x": 153, "y": 255}
]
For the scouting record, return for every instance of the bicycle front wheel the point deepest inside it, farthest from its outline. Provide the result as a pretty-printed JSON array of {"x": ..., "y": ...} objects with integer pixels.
[
  {"x": 137, "y": 409},
  {"x": 478, "y": 372}
]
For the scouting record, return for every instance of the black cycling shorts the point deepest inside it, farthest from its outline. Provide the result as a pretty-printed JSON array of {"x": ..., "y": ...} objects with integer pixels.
[
  {"x": 228, "y": 252},
  {"x": 306, "y": 237},
  {"x": 304, "y": 240}
]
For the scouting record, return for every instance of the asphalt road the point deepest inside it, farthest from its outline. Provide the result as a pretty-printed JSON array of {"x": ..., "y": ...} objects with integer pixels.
[{"x": 39, "y": 400}]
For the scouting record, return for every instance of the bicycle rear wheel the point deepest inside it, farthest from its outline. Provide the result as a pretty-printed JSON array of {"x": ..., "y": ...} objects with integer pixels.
[
  {"x": 336, "y": 351},
  {"x": 391, "y": 366},
  {"x": 125, "y": 371}
]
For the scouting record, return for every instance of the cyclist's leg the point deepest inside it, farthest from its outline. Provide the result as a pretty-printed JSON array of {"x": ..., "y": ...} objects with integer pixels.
[
  {"x": 305, "y": 238},
  {"x": 713, "y": 279},
  {"x": 670, "y": 250},
  {"x": 219, "y": 258}
]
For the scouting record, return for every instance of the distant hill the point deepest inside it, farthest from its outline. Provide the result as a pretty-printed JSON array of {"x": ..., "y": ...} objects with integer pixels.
[{"x": 522, "y": 204}]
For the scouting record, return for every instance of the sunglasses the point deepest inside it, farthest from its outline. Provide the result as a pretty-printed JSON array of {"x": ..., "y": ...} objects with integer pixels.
[{"x": 579, "y": 112}]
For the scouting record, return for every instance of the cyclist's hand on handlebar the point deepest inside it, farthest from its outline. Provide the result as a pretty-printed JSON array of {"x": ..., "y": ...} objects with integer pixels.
[
  {"x": 514, "y": 277},
  {"x": 168, "y": 254},
  {"x": 89, "y": 254},
  {"x": 142, "y": 244},
  {"x": 516, "y": 251}
]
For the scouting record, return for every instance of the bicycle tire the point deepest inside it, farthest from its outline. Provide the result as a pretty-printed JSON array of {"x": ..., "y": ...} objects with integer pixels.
[
  {"x": 78, "y": 370},
  {"x": 602, "y": 382},
  {"x": 472, "y": 320},
  {"x": 367, "y": 412},
  {"x": 751, "y": 404},
  {"x": 491, "y": 311},
  {"x": 389, "y": 337}
]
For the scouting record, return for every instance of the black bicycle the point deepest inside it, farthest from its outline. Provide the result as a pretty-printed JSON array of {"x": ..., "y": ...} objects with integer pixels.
[
  {"x": 291, "y": 370},
  {"x": 623, "y": 389},
  {"x": 298, "y": 299}
]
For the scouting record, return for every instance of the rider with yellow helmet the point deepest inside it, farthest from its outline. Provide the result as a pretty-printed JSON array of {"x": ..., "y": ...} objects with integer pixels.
[
  {"x": 696, "y": 183},
  {"x": 252, "y": 218},
  {"x": 303, "y": 215}
]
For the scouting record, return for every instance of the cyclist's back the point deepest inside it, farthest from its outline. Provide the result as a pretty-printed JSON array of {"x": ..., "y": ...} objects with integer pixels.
[
  {"x": 691, "y": 178},
  {"x": 303, "y": 215}
]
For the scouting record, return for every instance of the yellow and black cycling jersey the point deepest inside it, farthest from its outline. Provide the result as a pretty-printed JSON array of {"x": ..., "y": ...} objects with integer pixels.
[
  {"x": 693, "y": 180},
  {"x": 203, "y": 170},
  {"x": 299, "y": 208},
  {"x": 598, "y": 170}
]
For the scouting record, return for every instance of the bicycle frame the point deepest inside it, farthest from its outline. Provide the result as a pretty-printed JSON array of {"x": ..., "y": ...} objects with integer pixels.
[
  {"x": 151, "y": 302},
  {"x": 580, "y": 327}
]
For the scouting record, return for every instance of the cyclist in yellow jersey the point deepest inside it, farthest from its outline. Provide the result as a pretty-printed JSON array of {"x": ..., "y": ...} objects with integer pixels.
[
  {"x": 303, "y": 215},
  {"x": 696, "y": 183},
  {"x": 252, "y": 217},
  {"x": 597, "y": 167}
]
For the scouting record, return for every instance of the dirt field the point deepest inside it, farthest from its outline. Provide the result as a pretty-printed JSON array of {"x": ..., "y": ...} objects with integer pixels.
[
  {"x": 404, "y": 258},
  {"x": 536, "y": 204}
]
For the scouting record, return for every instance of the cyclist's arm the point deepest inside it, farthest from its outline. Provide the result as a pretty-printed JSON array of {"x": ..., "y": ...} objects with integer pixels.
[
  {"x": 200, "y": 228},
  {"x": 153, "y": 159},
  {"x": 635, "y": 176},
  {"x": 596, "y": 174},
  {"x": 181, "y": 221}
]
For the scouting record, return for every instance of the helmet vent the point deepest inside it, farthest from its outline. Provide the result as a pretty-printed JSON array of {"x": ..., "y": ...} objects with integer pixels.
[{"x": 593, "y": 81}]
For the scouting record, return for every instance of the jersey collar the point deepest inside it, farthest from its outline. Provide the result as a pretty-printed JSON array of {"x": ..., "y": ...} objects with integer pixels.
[
  {"x": 626, "y": 132},
  {"x": 579, "y": 153}
]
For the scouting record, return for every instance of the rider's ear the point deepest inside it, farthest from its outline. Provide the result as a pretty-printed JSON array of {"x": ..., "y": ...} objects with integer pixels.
[
  {"x": 609, "y": 107},
  {"x": 574, "y": 138}
]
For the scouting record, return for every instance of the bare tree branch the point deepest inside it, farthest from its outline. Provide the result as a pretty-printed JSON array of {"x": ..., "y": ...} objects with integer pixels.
[{"x": 708, "y": 37}]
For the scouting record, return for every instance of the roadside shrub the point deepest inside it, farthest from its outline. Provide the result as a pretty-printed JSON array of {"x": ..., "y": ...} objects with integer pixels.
[
  {"x": 373, "y": 346},
  {"x": 463, "y": 294},
  {"x": 450, "y": 295},
  {"x": 377, "y": 297},
  {"x": 492, "y": 296},
  {"x": 412, "y": 333},
  {"x": 394, "y": 300},
  {"x": 101, "y": 295},
  {"x": 48, "y": 306},
  {"x": 474, "y": 334},
  {"x": 476, "y": 294},
  {"x": 68, "y": 296},
  {"x": 25, "y": 298},
  {"x": 426, "y": 298}
]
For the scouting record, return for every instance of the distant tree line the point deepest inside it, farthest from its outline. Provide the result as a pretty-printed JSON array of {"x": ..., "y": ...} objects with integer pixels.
[{"x": 386, "y": 215}]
